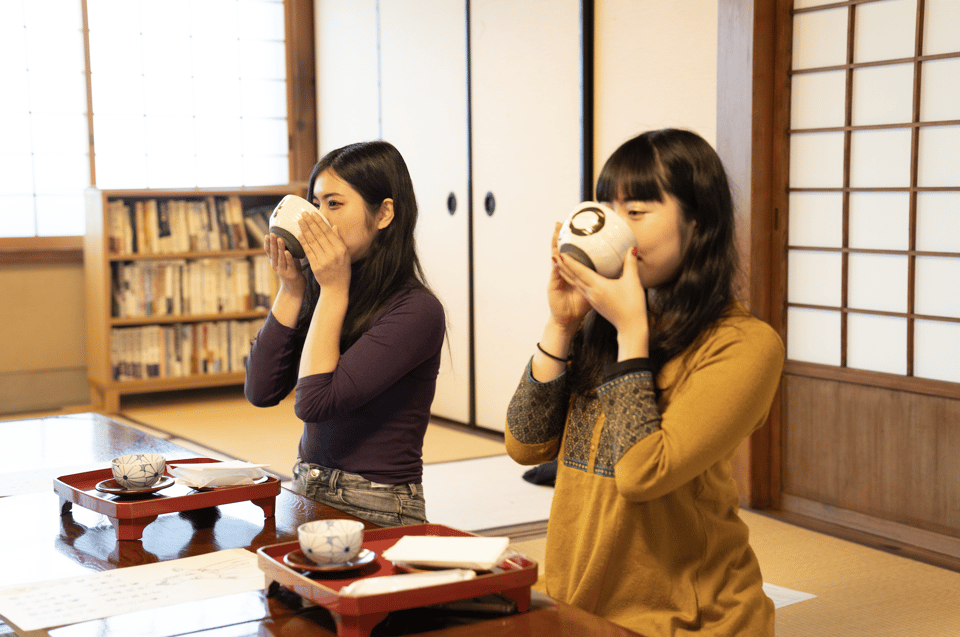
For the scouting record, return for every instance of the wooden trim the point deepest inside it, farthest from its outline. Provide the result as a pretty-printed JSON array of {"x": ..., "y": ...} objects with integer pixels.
[
  {"x": 301, "y": 89},
  {"x": 32, "y": 250},
  {"x": 833, "y": 5},
  {"x": 897, "y": 382},
  {"x": 587, "y": 97},
  {"x": 88, "y": 78},
  {"x": 746, "y": 111},
  {"x": 892, "y": 537},
  {"x": 864, "y": 65},
  {"x": 869, "y": 127}
]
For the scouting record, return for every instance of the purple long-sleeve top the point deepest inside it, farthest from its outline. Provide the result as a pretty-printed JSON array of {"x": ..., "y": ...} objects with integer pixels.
[{"x": 370, "y": 414}]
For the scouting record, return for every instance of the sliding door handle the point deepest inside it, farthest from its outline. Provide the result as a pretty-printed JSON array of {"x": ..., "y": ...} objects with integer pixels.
[{"x": 489, "y": 204}]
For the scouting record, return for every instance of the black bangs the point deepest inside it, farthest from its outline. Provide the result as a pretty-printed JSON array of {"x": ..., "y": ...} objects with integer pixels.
[{"x": 632, "y": 173}]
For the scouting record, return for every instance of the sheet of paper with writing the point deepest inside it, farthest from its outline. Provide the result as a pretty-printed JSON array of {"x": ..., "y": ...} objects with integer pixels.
[{"x": 125, "y": 590}]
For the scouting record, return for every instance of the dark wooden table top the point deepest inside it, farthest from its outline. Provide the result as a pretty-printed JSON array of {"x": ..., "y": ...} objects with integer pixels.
[{"x": 37, "y": 544}]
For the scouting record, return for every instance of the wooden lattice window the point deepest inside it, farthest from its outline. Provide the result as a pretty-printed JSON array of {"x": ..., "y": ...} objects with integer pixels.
[{"x": 873, "y": 254}]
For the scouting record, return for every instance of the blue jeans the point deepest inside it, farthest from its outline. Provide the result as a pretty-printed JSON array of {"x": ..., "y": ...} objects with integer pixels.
[{"x": 382, "y": 504}]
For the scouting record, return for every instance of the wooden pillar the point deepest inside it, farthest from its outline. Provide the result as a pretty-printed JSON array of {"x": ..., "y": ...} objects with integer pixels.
[{"x": 746, "y": 59}]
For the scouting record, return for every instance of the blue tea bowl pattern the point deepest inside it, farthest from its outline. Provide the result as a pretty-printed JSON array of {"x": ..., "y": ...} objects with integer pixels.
[
  {"x": 138, "y": 470},
  {"x": 327, "y": 542}
]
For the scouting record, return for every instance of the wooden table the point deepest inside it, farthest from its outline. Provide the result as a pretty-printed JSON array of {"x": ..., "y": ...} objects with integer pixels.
[{"x": 37, "y": 544}]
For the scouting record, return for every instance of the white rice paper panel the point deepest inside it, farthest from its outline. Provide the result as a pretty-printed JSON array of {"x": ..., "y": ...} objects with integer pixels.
[
  {"x": 877, "y": 343},
  {"x": 813, "y": 336},
  {"x": 880, "y": 158},
  {"x": 875, "y": 39},
  {"x": 936, "y": 350},
  {"x": 816, "y": 160},
  {"x": 877, "y": 282},
  {"x": 880, "y": 220},
  {"x": 940, "y": 89},
  {"x": 815, "y": 278},
  {"x": 44, "y": 150},
  {"x": 816, "y": 219},
  {"x": 940, "y": 32},
  {"x": 817, "y": 99},
  {"x": 820, "y": 38},
  {"x": 883, "y": 95},
  {"x": 939, "y": 161},
  {"x": 938, "y": 221},
  {"x": 938, "y": 286}
]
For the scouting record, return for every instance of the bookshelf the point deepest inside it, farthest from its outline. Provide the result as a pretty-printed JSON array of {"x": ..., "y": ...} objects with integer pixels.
[{"x": 177, "y": 286}]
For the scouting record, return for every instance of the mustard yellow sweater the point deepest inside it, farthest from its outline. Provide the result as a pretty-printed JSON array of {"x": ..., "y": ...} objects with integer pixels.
[{"x": 644, "y": 529}]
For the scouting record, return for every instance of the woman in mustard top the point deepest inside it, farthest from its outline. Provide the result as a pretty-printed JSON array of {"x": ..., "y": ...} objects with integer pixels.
[{"x": 643, "y": 387}]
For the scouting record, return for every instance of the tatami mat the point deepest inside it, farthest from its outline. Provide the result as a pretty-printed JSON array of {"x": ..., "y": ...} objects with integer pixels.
[
  {"x": 224, "y": 422},
  {"x": 487, "y": 496}
]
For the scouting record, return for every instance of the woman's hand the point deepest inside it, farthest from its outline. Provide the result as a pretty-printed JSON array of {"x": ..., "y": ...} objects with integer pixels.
[
  {"x": 285, "y": 265},
  {"x": 326, "y": 251},
  {"x": 568, "y": 306},
  {"x": 621, "y": 301}
]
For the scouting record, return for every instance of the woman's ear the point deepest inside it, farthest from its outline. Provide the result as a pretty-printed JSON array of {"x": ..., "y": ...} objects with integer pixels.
[{"x": 385, "y": 216}]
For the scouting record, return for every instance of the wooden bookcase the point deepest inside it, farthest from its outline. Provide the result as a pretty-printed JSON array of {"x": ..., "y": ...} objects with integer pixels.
[{"x": 175, "y": 339}]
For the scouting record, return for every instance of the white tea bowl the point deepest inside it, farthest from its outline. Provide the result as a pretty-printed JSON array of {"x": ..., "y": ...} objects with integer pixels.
[
  {"x": 138, "y": 470},
  {"x": 285, "y": 222},
  {"x": 327, "y": 542},
  {"x": 597, "y": 237}
]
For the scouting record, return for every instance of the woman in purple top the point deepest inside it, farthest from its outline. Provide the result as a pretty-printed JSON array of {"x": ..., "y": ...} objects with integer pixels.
[{"x": 355, "y": 330}]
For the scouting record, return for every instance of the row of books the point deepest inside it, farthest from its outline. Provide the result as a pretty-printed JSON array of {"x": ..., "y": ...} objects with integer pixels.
[
  {"x": 171, "y": 226},
  {"x": 186, "y": 349},
  {"x": 190, "y": 287}
]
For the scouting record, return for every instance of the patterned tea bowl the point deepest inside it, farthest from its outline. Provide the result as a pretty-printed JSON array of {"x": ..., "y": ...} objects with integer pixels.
[
  {"x": 138, "y": 470},
  {"x": 326, "y": 542}
]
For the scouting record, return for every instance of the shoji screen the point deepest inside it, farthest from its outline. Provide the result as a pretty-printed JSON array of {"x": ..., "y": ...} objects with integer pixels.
[
  {"x": 188, "y": 93},
  {"x": 874, "y": 187}
]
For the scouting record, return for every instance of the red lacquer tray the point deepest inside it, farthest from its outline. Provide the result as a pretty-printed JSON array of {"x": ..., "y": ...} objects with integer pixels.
[
  {"x": 130, "y": 516},
  {"x": 357, "y": 616}
]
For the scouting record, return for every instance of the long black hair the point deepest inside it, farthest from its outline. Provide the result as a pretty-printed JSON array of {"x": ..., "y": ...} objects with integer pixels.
[
  {"x": 376, "y": 170},
  {"x": 682, "y": 164}
]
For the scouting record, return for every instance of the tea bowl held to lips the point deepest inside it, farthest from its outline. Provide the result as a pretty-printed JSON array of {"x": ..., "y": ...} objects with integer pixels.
[
  {"x": 326, "y": 542},
  {"x": 138, "y": 470},
  {"x": 597, "y": 237},
  {"x": 285, "y": 222}
]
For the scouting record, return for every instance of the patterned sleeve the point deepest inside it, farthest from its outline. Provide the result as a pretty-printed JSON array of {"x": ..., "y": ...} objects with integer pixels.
[
  {"x": 538, "y": 410},
  {"x": 630, "y": 407}
]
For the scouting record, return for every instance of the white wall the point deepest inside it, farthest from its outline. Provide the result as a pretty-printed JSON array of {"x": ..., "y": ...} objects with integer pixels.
[
  {"x": 655, "y": 67},
  {"x": 347, "y": 76}
]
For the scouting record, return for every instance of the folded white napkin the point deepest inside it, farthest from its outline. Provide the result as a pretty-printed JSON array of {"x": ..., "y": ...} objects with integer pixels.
[
  {"x": 407, "y": 581},
  {"x": 476, "y": 552},
  {"x": 217, "y": 474}
]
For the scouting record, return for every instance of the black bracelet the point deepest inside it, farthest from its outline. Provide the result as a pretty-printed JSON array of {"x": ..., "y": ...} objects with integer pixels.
[{"x": 549, "y": 355}]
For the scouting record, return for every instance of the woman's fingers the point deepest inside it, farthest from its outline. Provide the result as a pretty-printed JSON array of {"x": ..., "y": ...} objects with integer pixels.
[{"x": 576, "y": 274}]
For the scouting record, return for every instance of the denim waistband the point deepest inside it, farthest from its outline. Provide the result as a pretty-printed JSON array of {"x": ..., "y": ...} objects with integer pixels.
[{"x": 337, "y": 478}]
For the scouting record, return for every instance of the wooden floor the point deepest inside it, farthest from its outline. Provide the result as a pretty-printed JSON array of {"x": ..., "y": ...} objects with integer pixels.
[{"x": 859, "y": 591}]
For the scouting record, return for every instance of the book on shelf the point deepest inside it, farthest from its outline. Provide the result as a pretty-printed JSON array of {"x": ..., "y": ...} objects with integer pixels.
[
  {"x": 190, "y": 287},
  {"x": 186, "y": 349},
  {"x": 170, "y": 226},
  {"x": 257, "y": 223}
]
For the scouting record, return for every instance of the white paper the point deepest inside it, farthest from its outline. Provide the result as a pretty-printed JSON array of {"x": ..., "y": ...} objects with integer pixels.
[
  {"x": 784, "y": 596},
  {"x": 125, "y": 590},
  {"x": 405, "y": 582},
  {"x": 217, "y": 474},
  {"x": 477, "y": 552}
]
